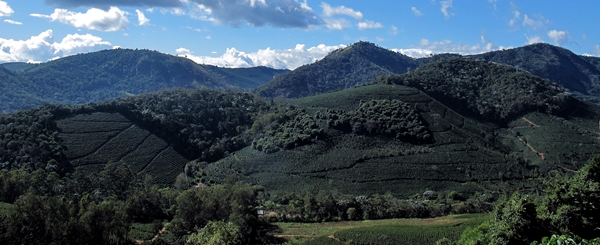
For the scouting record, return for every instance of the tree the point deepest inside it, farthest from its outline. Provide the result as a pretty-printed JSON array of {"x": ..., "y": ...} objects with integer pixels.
[{"x": 216, "y": 233}]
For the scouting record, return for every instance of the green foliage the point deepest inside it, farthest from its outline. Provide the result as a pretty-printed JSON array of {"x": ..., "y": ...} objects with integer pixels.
[
  {"x": 216, "y": 233},
  {"x": 29, "y": 139},
  {"x": 405, "y": 234},
  {"x": 565, "y": 239},
  {"x": 341, "y": 69},
  {"x": 392, "y": 118},
  {"x": 487, "y": 90},
  {"x": 568, "y": 207},
  {"x": 323, "y": 240},
  {"x": 286, "y": 128},
  {"x": 575, "y": 72},
  {"x": 571, "y": 204},
  {"x": 233, "y": 203}
]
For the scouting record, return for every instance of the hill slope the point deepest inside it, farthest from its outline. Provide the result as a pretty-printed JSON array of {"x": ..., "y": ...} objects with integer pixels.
[
  {"x": 577, "y": 73},
  {"x": 111, "y": 74},
  {"x": 453, "y": 124},
  {"x": 343, "y": 68}
]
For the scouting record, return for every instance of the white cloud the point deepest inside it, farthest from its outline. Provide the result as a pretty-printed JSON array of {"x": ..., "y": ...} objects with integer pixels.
[
  {"x": 5, "y": 10},
  {"x": 337, "y": 24},
  {"x": 142, "y": 20},
  {"x": 275, "y": 58},
  {"x": 380, "y": 39},
  {"x": 426, "y": 48},
  {"x": 516, "y": 17},
  {"x": 12, "y": 22},
  {"x": 340, "y": 10},
  {"x": 208, "y": 37},
  {"x": 394, "y": 30},
  {"x": 532, "y": 22},
  {"x": 94, "y": 19},
  {"x": 597, "y": 50},
  {"x": 416, "y": 11},
  {"x": 446, "y": 4},
  {"x": 534, "y": 39},
  {"x": 369, "y": 25},
  {"x": 43, "y": 47},
  {"x": 76, "y": 43},
  {"x": 559, "y": 37},
  {"x": 414, "y": 52}
]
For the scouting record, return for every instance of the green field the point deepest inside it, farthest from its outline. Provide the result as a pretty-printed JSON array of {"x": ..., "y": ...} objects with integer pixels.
[{"x": 389, "y": 231}]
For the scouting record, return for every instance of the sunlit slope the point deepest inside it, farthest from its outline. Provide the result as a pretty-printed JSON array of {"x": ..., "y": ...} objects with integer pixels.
[{"x": 466, "y": 155}]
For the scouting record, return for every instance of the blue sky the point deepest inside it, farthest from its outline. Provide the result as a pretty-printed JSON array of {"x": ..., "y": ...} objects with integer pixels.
[{"x": 289, "y": 33}]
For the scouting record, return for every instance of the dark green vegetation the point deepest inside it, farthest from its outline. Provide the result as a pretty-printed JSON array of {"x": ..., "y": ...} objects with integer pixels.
[
  {"x": 466, "y": 153},
  {"x": 153, "y": 134},
  {"x": 111, "y": 74},
  {"x": 115, "y": 206},
  {"x": 341, "y": 69},
  {"x": 492, "y": 92},
  {"x": 409, "y": 234},
  {"x": 578, "y": 73},
  {"x": 568, "y": 207},
  {"x": 363, "y": 61}
]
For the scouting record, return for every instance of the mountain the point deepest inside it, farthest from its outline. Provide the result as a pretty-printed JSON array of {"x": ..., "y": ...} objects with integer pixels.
[
  {"x": 480, "y": 127},
  {"x": 578, "y": 73},
  {"x": 455, "y": 124},
  {"x": 111, "y": 74},
  {"x": 341, "y": 69}
]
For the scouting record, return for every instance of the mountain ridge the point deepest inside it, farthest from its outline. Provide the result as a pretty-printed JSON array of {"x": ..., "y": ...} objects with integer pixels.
[{"x": 116, "y": 73}]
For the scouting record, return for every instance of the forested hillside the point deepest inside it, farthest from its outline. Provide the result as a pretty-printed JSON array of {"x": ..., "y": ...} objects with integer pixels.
[
  {"x": 111, "y": 74},
  {"x": 578, "y": 73},
  {"x": 341, "y": 69}
]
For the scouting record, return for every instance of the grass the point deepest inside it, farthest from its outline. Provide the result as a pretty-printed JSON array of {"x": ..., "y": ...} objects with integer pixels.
[{"x": 312, "y": 230}]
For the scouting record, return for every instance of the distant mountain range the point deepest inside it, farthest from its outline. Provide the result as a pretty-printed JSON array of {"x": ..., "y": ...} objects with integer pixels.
[
  {"x": 363, "y": 61},
  {"x": 111, "y": 74}
]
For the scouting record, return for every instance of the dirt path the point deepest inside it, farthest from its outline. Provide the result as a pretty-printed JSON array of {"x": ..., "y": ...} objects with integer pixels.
[{"x": 153, "y": 238}]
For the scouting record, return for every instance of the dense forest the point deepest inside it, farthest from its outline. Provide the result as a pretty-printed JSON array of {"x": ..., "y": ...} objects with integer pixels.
[{"x": 493, "y": 92}]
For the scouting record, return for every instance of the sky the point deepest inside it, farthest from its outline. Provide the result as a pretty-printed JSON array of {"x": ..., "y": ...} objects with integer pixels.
[{"x": 286, "y": 34}]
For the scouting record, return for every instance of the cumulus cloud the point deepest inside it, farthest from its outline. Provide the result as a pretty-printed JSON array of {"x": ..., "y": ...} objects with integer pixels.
[
  {"x": 414, "y": 52},
  {"x": 369, "y": 25},
  {"x": 527, "y": 21},
  {"x": 12, "y": 22},
  {"x": 446, "y": 5},
  {"x": 108, "y": 3},
  {"x": 416, "y": 11},
  {"x": 559, "y": 37},
  {"x": 142, "y": 20},
  {"x": 43, "y": 47},
  {"x": 275, "y": 58},
  {"x": 5, "y": 10},
  {"x": 534, "y": 39},
  {"x": 94, "y": 19},
  {"x": 426, "y": 48},
  {"x": 277, "y": 13},
  {"x": 340, "y": 10}
]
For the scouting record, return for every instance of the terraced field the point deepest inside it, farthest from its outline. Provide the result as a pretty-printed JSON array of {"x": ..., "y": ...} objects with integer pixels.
[
  {"x": 92, "y": 140},
  {"x": 467, "y": 155}
]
